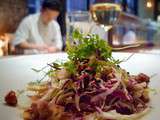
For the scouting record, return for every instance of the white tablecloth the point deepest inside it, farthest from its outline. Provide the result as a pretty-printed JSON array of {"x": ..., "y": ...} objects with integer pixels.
[{"x": 15, "y": 73}]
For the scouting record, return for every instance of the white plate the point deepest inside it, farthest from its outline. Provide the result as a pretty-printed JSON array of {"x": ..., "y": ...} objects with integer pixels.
[{"x": 16, "y": 72}]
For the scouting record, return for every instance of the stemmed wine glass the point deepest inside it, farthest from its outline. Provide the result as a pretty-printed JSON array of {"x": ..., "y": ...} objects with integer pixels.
[{"x": 106, "y": 15}]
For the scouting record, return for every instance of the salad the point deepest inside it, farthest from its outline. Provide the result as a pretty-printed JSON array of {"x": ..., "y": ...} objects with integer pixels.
[{"x": 90, "y": 85}]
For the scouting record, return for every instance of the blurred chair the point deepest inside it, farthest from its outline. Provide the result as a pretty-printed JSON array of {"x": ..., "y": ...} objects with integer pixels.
[{"x": 5, "y": 47}]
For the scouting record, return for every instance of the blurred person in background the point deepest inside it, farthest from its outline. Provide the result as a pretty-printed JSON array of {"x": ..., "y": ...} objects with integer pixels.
[{"x": 40, "y": 32}]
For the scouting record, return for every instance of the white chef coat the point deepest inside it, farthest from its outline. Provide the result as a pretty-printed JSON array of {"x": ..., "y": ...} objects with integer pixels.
[{"x": 32, "y": 29}]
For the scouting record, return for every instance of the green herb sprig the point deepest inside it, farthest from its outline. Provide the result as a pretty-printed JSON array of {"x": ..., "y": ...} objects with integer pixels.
[{"x": 84, "y": 46}]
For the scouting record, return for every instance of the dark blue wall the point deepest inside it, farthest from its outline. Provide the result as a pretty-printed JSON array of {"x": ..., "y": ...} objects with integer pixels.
[
  {"x": 34, "y": 6},
  {"x": 81, "y": 5}
]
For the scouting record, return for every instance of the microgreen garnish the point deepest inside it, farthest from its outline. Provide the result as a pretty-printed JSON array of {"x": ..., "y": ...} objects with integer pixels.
[{"x": 84, "y": 46}]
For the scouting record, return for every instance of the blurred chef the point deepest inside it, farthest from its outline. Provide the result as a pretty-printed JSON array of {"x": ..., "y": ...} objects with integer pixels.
[{"x": 40, "y": 32}]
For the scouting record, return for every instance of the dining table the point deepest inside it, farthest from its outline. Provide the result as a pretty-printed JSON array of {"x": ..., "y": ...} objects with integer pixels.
[{"x": 16, "y": 72}]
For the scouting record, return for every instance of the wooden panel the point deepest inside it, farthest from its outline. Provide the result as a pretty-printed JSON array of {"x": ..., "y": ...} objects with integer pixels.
[{"x": 11, "y": 13}]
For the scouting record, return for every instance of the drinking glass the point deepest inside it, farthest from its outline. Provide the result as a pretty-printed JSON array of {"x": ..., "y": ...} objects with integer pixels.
[{"x": 105, "y": 14}]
